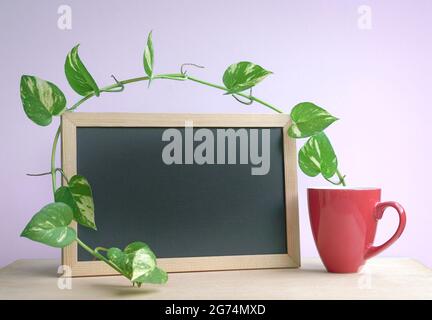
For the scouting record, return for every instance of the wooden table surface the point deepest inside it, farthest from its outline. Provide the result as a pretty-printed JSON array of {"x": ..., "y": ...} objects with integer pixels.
[{"x": 381, "y": 278}]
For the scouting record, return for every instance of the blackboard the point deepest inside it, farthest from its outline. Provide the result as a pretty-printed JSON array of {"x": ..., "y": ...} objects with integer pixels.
[{"x": 182, "y": 210}]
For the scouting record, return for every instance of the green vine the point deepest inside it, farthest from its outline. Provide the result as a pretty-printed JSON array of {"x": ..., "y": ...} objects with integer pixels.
[{"x": 74, "y": 200}]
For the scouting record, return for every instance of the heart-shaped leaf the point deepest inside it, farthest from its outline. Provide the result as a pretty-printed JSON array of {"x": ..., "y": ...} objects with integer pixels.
[
  {"x": 308, "y": 119},
  {"x": 141, "y": 259},
  {"x": 143, "y": 263},
  {"x": 149, "y": 57},
  {"x": 137, "y": 245},
  {"x": 157, "y": 276},
  {"x": 41, "y": 99},
  {"x": 78, "y": 195},
  {"x": 317, "y": 156},
  {"x": 51, "y": 226},
  {"x": 120, "y": 259},
  {"x": 77, "y": 75},
  {"x": 243, "y": 75},
  {"x": 137, "y": 262}
]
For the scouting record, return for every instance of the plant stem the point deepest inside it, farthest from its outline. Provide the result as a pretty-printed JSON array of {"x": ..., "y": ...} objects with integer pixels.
[
  {"x": 63, "y": 174},
  {"x": 53, "y": 154},
  {"x": 176, "y": 77},
  {"x": 332, "y": 182},
  {"x": 81, "y": 101},
  {"x": 97, "y": 254},
  {"x": 130, "y": 81},
  {"x": 268, "y": 105},
  {"x": 341, "y": 178},
  {"x": 208, "y": 84}
]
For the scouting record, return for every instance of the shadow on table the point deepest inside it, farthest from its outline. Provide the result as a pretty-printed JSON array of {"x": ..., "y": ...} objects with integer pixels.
[{"x": 124, "y": 291}]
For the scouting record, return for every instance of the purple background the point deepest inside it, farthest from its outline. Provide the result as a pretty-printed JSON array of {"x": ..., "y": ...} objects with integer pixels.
[{"x": 376, "y": 81}]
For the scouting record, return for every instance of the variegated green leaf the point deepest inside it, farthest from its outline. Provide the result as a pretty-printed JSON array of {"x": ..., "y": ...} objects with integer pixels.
[
  {"x": 51, "y": 226},
  {"x": 143, "y": 263},
  {"x": 317, "y": 156},
  {"x": 149, "y": 57},
  {"x": 308, "y": 119},
  {"x": 41, "y": 99},
  {"x": 78, "y": 195},
  {"x": 137, "y": 262},
  {"x": 120, "y": 259},
  {"x": 157, "y": 276},
  {"x": 137, "y": 245},
  {"x": 77, "y": 75},
  {"x": 243, "y": 75}
]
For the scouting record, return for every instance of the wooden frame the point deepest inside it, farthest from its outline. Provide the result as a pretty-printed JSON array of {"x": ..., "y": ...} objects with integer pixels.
[{"x": 70, "y": 121}]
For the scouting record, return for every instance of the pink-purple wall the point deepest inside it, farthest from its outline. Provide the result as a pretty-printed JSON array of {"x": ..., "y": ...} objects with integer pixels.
[{"x": 377, "y": 80}]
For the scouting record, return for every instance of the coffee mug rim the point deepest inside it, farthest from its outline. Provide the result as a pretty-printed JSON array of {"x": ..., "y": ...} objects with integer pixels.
[{"x": 340, "y": 188}]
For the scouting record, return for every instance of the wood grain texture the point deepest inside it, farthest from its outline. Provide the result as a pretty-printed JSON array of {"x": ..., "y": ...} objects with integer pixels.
[
  {"x": 115, "y": 119},
  {"x": 382, "y": 278},
  {"x": 70, "y": 121},
  {"x": 291, "y": 197},
  {"x": 190, "y": 264},
  {"x": 68, "y": 156}
]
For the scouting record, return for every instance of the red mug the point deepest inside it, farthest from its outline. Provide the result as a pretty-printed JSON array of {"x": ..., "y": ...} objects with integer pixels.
[{"x": 344, "y": 224}]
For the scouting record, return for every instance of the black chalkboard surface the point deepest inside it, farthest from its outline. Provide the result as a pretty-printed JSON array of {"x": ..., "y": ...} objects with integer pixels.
[
  {"x": 186, "y": 210},
  {"x": 205, "y": 191}
]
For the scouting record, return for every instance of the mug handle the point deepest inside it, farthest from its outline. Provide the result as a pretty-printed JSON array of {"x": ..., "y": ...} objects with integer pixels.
[{"x": 379, "y": 211}]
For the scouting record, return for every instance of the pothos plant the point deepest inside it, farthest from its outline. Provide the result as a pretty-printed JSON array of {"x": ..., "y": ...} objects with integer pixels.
[{"x": 74, "y": 201}]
